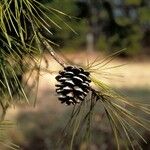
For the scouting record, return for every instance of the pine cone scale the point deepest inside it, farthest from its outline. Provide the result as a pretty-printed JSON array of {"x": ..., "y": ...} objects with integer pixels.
[{"x": 73, "y": 85}]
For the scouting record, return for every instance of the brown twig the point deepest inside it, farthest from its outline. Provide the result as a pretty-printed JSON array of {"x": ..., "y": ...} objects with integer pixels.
[{"x": 53, "y": 54}]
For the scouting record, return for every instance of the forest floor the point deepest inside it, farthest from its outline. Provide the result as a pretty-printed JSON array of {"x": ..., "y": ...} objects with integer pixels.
[{"x": 130, "y": 76}]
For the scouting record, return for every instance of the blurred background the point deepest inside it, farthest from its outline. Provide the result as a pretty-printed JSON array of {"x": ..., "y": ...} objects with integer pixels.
[{"x": 102, "y": 27}]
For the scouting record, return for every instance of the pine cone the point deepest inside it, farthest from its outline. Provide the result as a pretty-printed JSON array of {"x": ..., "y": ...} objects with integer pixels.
[{"x": 73, "y": 85}]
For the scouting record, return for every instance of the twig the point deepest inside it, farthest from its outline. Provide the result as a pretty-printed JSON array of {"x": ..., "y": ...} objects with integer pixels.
[{"x": 53, "y": 54}]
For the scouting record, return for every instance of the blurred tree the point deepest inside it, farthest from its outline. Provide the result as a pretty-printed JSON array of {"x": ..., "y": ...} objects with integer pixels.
[
  {"x": 64, "y": 37},
  {"x": 114, "y": 24},
  {"x": 120, "y": 24}
]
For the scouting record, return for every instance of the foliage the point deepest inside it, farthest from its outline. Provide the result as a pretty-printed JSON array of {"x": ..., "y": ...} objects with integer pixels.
[
  {"x": 4, "y": 138},
  {"x": 122, "y": 24},
  {"x": 65, "y": 37},
  {"x": 21, "y": 49}
]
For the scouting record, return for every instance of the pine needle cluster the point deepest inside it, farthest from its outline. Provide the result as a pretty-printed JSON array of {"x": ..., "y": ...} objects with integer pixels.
[{"x": 22, "y": 44}]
